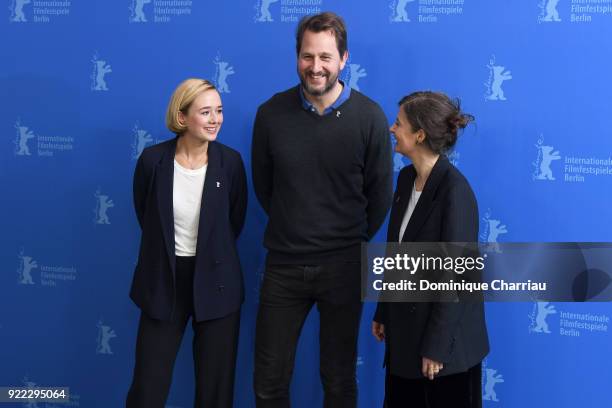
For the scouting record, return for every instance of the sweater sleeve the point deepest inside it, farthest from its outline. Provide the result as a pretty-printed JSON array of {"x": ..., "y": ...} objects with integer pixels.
[
  {"x": 378, "y": 172},
  {"x": 261, "y": 163}
]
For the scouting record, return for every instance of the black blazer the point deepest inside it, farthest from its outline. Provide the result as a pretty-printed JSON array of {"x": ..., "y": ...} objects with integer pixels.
[
  {"x": 218, "y": 282},
  {"x": 452, "y": 333}
]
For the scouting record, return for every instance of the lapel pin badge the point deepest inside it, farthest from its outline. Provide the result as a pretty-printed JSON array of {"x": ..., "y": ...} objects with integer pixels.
[
  {"x": 338, "y": 113},
  {"x": 218, "y": 184}
]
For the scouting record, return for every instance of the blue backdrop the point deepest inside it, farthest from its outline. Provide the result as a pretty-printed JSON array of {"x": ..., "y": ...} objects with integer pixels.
[{"x": 85, "y": 87}]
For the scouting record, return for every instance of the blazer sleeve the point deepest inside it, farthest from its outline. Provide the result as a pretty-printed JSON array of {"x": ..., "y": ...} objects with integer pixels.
[
  {"x": 459, "y": 224},
  {"x": 238, "y": 197},
  {"x": 140, "y": 189}
]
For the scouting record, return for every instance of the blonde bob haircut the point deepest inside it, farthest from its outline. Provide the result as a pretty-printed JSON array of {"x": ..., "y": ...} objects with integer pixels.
[{"x": 181, "y": 100}]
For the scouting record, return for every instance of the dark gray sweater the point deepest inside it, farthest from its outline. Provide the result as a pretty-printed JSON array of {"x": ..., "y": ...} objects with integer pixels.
[{"x": 324, "y": 181}]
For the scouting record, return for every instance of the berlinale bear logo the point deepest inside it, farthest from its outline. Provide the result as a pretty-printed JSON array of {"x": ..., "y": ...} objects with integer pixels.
[
  {"x": 497, "y": 76},
  {"x": 491, "y": 379},
  {"x": 103, "y": 203},
  {"x": 541, "y": 310},
  {"x": 137, "y": 9},
  {"x": 263, "y": 14},
  {"x": 24, "y": 134},
  {"x": 17, "y": 14},
  {"x": 546, "y": 155},
  {"x": 105, "y": 334},
  {"x": 222, "y": 71},
  {"x": 549, "y": 12},
  {"x": 26, "y": 265},
  {"x": 100, "y": 69},
  {"x": 141, "y": 139},
  {"x": 399, "y": 14}
]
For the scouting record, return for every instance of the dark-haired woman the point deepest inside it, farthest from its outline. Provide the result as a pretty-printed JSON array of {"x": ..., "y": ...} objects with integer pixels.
[{"x": 433, "y": 350}]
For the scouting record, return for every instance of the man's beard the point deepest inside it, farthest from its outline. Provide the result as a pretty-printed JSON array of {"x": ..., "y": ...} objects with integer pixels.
[{"x": 330, "y": 82}]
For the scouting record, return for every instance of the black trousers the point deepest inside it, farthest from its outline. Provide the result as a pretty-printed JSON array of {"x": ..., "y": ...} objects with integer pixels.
[
  {"x": 288, "y": 293},
  {"x": 214, "y": 352},
  {"x": 462, "y": 390}
]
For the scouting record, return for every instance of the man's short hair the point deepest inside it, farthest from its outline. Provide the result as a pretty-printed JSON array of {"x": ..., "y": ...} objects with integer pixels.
[{"x": 326, "y": 21}]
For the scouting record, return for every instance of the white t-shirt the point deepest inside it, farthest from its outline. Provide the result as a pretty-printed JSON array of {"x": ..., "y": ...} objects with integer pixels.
[
  {"x": 414, "y": 199},
  {"x": 187, "y": 199}
]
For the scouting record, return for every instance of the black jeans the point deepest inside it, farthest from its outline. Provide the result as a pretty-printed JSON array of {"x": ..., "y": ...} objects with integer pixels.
[
  {"x": 287, "y": 294},
  {"x": 215, "y": 345}
]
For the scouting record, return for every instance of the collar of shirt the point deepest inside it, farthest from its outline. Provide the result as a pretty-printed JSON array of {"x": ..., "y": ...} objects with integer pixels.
[{"x": 344, "y": 95}]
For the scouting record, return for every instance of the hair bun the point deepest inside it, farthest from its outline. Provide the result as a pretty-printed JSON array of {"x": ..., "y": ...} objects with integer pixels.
[
  {"x": 438, "y": 115},
  {"x": 459, "y": 121}
]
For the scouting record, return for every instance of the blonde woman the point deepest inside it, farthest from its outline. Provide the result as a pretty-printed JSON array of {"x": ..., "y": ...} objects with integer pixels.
[{"x": 190, "y": 198}]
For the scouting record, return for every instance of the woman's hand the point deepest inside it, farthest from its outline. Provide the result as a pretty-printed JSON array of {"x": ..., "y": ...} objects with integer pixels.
[
  {"x": 378, "y": 331},
  {"x": 431, "y": 368}
]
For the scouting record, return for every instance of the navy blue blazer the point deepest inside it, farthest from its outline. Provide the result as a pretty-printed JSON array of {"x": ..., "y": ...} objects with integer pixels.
[
  {"x": 218, "y": 282},
  {"x": 452, "y": 333}
]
